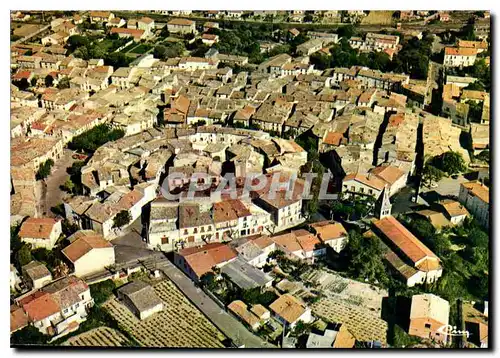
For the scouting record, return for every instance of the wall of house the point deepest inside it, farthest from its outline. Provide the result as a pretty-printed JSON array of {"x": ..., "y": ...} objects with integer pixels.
[
  {"x": 145, "y": 314},
  {"x": 476, "y": 206},
  {"x": 355, "y": 186},
  {"x": 94, "y": 261},
  {"x": 426, "y": 328}
]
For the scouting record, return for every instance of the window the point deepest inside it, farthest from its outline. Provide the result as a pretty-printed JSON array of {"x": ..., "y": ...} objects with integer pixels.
[
  {"x": 428, "y": 325},
  {"x": 362, "y": 190},
  {"x": 77, "y": 305},
  {"x": 164, "y": 240}
]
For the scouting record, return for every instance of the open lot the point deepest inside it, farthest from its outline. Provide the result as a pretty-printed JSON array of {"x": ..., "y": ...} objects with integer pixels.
[
  {"x": 180, "y": 324},
  {"x": 98, "y": 337},
  {"x": 356, "y": 304},
  {"x": 378, "y": 18}
]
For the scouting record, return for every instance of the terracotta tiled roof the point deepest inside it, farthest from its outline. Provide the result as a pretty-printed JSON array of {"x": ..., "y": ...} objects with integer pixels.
[
  {"x": 404, "y": 239},
  {"x": 229, "y": 210},
  {"x": 344, "y": 338},
  {"x": 388, "y": 173},
  {"x": 308, "y": 242},
  {"x": 241, "y": 310},
  {"x": 437, "y": 219},
  {"x": 103, "y": 14},
  {"x": 333, "y": 138},
  {"x": 370, "y": 180},
  {"x": 202, "y": 259},
  {"x": 180, "y": 22},
  {"x": 263, "y": 241},
  {"x": 483, "y": 45},
  {"x": 453, "y": 207},
  {"x": 39, "y": 305},
  {"x": 288, "y": 307},
  {"x": 288, "y": 242},
  {"x": 83, "y": 245},
  {"x": 37, "y": 228},
  {"x": 479, "y": 190},
  {"x": 327, "y": 230},
  {"x": 132, "y": 32},
  {"x": 454, "y": 51},
  {"x": 18, "y": 319}
]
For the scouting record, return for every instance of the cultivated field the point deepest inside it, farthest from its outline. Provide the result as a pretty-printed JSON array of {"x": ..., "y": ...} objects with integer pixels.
[
  {"x": 180, "y": 324},
  {"x": 378, "y": 18},
  {"x": 356, "y": 304},
  {"x": 363, "y": 324},
  {"x": 98, "y": 337}
]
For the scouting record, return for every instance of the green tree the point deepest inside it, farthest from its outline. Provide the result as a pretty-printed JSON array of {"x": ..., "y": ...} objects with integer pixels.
[
  {"x": 92, "y": 139},
  {"x": 117, "y": 59},
  {"x": 77, "y": 41},
  {"x": 44, "y": 169},
  {"x": 49, "y": 81},
  {"x": 23, "y": 255},
  {"x": 63, "y": 83},
  {"x": 484, "y": 156},
  {"x": 431, "y": 174},
  {"x": 121, "y": 219},
  {"x": 320, "y": 60},
  {"x": 346, "y": 31},
  {"x": 68, "y": 186},
  {"x": 15, "y": 241},
  {"x": 452, "y": 162},
  {"x": 101, "y": 291},
  {"x": 29, "y": 335},
  {"x": 365, "y": 258}
]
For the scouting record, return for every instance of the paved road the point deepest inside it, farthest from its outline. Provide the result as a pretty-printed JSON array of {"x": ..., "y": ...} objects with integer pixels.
[
  {"x": 229, "y": 325},
  {"x": 446, "y": 187},
  {"x": 52, "y": 195}
]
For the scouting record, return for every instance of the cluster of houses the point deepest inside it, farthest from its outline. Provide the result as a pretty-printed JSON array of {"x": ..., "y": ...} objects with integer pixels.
[{"x": 193, "y": 115}]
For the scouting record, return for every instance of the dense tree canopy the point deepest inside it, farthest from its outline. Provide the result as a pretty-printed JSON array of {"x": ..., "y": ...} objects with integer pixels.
[
  {"x": 366, "y": 258},
  {"x": 121, "y": 219},
  {"x": 45, "y": 169},
  {"x": 169, "y": 50},
  {"x": 95, "y": 137}
]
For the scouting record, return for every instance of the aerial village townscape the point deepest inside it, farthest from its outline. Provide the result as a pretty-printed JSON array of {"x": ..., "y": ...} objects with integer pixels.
[{"x": 125, "y": 232}]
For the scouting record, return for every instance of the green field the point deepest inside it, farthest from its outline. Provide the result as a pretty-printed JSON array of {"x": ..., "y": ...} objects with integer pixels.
[{"x": 142, "y": 48}]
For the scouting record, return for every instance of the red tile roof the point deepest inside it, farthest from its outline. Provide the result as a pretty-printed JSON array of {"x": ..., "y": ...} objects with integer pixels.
[
  {"x": 37, "y": 228},
  {"x": 84, "y": 245},
  {"x": 202, "y": 259},
  {"x": 39, "y": 305},
  {"x": 400, "y": 236}
]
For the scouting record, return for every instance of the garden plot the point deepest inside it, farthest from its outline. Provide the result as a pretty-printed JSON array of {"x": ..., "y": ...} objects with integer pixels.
[
  {"x": 355, "y": 292},
  {"x": 98, "y": 337},
  {"x": 363, "y": 323},
  {"x": 180, "y": 324},
  {"x": 356, "y": 304}
]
